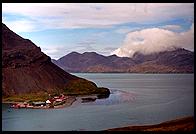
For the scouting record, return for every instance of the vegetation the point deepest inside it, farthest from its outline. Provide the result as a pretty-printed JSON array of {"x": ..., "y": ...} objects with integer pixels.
[
  {"x": 84, "y": 87},
  {"x": 74, "y": 88},
  {"x": 41, "y": 96}
]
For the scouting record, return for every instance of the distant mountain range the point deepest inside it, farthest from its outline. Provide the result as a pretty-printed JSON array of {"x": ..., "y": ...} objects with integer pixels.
[
  {"x": 175, "y": 61},
  {"x": 25, "y": 69}
]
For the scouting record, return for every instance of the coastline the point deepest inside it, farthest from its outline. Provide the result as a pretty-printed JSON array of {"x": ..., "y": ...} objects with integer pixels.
[
  {"x": 68, "y": 102},
  {"x": 179, "y": 124}
]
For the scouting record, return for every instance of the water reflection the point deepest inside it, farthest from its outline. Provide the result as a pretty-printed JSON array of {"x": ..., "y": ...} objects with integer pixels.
[
  {"x": 116, "y": 97},
  {"x": 88, "y": 99},
  {"x": 94, "y": 98},
  {"x": 103, "y": 96}
]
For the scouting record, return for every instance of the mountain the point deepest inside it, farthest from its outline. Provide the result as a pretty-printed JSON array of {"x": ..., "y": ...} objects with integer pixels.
[
  {"x": 25, "y": 70},
  {"x": 175, "y": 61},
  {"x": 91, "y": 61}
]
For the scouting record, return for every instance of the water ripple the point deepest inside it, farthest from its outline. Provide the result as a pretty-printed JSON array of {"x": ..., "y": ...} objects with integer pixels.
[{"x": 116, "y": 97}]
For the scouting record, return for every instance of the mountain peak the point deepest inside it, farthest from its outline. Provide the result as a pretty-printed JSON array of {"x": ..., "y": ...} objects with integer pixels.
[
  {"x": 4, "y": 26},
  {"x": 90, "y": 53},
  {"x": 113, "y": 56},
  {"x": 74, "y": 53},
  {"x": 11, "y": 40}
]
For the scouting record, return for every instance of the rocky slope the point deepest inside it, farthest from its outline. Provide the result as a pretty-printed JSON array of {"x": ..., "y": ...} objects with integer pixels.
[
  {"x": 25, "y": 69},
  {"x": 93, "y": 62},
  {"x": 181, "y": 124},
  {"x": 175, "y": 61}
]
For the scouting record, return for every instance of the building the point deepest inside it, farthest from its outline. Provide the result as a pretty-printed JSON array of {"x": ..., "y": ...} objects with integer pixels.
[
  {"x": 39, "y": 103},
  {"x": 59, "y": 100},
  {"x": 48, "y": 102}
]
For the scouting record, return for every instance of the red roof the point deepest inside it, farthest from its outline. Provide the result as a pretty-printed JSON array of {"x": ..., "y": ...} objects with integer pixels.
[{"x": 51, "y": 100}]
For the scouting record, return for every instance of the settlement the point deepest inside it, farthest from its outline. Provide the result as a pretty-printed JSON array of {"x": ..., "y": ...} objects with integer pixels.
[{"x": 55, "y": 102}]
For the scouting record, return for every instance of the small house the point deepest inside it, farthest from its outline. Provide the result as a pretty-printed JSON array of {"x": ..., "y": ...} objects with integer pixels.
[
  {"x": 56, "y": 97},
  {"x": 59, "y": 100},
  {"x": 51, "y": 100},
  {"x": 39, "y": 103},
  {"x": 48, "y": 102}
]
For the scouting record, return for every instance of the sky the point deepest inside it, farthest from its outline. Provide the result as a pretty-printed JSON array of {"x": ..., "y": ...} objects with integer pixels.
[{"x": 105, "y": 28}]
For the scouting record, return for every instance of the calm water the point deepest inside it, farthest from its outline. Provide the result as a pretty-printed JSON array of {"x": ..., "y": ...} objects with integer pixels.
[{"x": 136, "y": 99}]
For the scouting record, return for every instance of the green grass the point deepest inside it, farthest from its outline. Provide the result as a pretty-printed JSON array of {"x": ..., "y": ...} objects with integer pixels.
[
  {"x": 27, "y": 97},
  {"x": 75, "y": 87},
  {"x": 83, "y": 87}
]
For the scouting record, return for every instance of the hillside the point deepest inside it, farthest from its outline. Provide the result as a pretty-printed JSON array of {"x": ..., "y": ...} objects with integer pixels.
[
  {"x": 181, "y": 124},
  {"x": 27, "y": 70},
  {"x": 175, "y": 61}
]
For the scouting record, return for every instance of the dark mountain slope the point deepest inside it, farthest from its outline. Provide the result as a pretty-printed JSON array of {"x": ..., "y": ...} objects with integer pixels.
[
  {"x": 76, "y": 62},
  {"x": 28, "y": 70},
  {"x": 175, "y": 61}
]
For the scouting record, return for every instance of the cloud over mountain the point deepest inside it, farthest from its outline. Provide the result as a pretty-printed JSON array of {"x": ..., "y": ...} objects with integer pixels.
[{"x": 152, "y": 40}]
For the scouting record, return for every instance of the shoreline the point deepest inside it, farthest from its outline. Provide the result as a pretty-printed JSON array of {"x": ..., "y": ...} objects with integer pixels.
[
  {"x": 179, "y": 124},
  {"x": 68, "y": 102}
]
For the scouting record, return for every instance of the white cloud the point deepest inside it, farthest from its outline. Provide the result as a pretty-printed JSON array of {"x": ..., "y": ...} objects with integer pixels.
[
  {"x": 57, "y": 51},
  {"x": 124, "y": 30},
  {"x": 21, "y": 26},
  {"x": 172, "y": 27},
  {"x": 3, "y": 19},
  {"x": 85, "y": 15},
  {"x": 153, "y": 40},
  {"x": 54, "y": 51}
]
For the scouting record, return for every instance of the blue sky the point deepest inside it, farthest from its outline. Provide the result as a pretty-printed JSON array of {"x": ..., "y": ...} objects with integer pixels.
[{"x": 104, "y": 28}]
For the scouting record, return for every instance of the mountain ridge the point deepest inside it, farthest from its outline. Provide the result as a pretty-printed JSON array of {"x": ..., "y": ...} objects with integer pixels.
[{"x": 178, "y": 60}]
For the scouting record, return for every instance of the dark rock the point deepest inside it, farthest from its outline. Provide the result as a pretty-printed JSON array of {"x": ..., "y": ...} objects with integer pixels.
[
  {"x": 89, "y": 99},
  {"x": 28, "y": 70},
  {"x": 103, "y": 96}
]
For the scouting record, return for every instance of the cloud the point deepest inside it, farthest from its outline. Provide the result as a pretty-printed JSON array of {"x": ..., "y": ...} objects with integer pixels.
[
  {"x": 125, "y": 30},
  {"x": 21, "y": 26},
  {"x": 54, "y": 51},
  {"x": 153, "y": 40},
  {"x": 88, "y": 42},
  {"x": 110, "y": 48},
  {"x": 83, "y": 48},
  {"x": 91, "y": 15},
  {"x": 106, "y": 50},
  {"x": 58, "y": 51},
  {"x": 172, "y": 27}
]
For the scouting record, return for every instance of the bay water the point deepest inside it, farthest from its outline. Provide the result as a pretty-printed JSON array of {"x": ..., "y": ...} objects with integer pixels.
[{"x": 135, "y": 99}]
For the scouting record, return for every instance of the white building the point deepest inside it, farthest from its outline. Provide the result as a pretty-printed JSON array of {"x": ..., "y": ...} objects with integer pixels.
[{"x": 48, "y": 102}]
